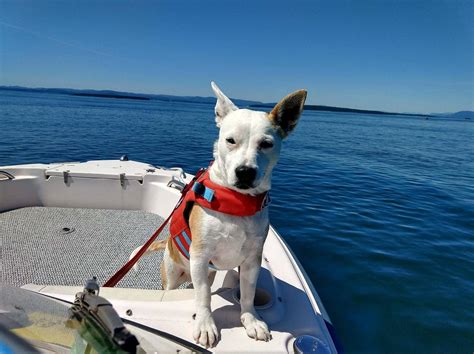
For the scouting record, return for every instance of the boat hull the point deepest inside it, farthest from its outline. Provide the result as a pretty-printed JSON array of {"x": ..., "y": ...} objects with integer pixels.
[{"x": 286, "y": 299}]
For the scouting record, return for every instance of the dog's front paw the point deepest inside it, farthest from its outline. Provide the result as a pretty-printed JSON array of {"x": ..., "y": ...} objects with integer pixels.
[
  {"x": 255, "y": 328},
  {"x": 205, "y": 331}
]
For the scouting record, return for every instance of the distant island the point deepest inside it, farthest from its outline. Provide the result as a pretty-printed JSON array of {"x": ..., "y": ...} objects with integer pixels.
[
  {"x": 126, "y": 95},
  {"x": 111, "y": 96},
  {"x": 342, "y": 109},
  {"x": 466, "y": 115}
]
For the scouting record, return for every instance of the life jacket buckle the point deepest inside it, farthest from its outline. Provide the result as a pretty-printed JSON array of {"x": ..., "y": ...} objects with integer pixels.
[{"x": 203, "y": 191}]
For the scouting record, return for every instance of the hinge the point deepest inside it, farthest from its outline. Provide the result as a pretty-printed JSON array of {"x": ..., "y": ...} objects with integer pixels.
[
  {"x": 66, "y": 176},
  {"x": 122, "y": 179}
]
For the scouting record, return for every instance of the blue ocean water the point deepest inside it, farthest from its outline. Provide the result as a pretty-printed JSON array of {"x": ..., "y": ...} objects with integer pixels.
[{"x": 379, "y": 209}]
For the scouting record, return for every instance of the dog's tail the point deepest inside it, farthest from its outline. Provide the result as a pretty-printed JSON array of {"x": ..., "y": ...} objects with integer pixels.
[{"x": 155, "y": 246}]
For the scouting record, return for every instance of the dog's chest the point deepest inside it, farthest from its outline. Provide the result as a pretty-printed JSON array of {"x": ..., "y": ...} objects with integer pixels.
[{"x": 232, "y": 239}]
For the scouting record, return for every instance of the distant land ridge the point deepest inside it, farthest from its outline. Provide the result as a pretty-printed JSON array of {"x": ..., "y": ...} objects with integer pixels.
[
  {"x": 129, "y": 95},
  {"x": 342, "y": 109},
  {"x": 110, "y": 96},
  {"x": 467, "y": 115}
]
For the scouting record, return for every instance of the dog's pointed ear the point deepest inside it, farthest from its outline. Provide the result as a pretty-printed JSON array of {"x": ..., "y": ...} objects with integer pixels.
[
  {"x": 223, "y": 106},
  {"x": 286, "y": 113}
]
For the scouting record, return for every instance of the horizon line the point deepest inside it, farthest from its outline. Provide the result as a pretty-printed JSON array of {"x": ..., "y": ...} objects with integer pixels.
[{"x": 257, "y": 103}]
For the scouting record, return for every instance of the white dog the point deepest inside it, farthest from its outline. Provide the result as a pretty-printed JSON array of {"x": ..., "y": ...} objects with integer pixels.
[{"x": 244, "y": 156}]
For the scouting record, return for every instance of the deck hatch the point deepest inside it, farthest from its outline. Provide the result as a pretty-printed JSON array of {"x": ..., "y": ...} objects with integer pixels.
[{"x": 119, "y": 170}]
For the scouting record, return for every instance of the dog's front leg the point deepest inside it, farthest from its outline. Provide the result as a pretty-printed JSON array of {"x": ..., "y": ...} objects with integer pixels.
[
  {"x": 205, "y": 330},
  {"x": 254, "y": 326}
]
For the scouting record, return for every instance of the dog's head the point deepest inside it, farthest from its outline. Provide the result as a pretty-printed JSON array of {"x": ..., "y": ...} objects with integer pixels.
[{"x": 250, "y": 141}]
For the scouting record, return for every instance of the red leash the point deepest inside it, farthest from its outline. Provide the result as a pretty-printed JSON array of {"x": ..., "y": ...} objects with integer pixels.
[{"x": 127, "y": 266}]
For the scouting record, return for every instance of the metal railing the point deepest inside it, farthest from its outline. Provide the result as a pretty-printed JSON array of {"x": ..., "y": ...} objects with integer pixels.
[{"x": 4, "y": 175}]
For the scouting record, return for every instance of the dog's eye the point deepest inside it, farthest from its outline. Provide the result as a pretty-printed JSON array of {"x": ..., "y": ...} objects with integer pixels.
[
  {"x": 230, "y": 141},
  {"x": 266, "y": 144}
]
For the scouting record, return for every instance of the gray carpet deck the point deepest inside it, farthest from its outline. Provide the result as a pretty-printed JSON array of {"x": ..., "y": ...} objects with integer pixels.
[{"x": 35, "y": 249}]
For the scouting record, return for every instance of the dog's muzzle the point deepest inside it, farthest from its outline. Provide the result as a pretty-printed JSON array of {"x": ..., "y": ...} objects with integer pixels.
[{"x": 245, "y": 177}]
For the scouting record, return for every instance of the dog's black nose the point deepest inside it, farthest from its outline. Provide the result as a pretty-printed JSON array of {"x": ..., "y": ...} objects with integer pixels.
[{"x": 246, "y": 175}]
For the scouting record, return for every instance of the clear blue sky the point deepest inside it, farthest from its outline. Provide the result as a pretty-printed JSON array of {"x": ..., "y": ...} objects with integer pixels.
[{"x": 405, "y": 56}]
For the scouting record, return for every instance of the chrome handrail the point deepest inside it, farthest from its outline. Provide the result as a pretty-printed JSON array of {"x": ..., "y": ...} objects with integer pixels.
[
  {"x": 176, "y": 183},
  {"x": 182, "y": 174},
  {"x": 8, "y": 175}
]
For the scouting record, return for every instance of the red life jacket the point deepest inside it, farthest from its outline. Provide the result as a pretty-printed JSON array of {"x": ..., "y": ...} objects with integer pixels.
[{"x": 210, "y": 196}]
